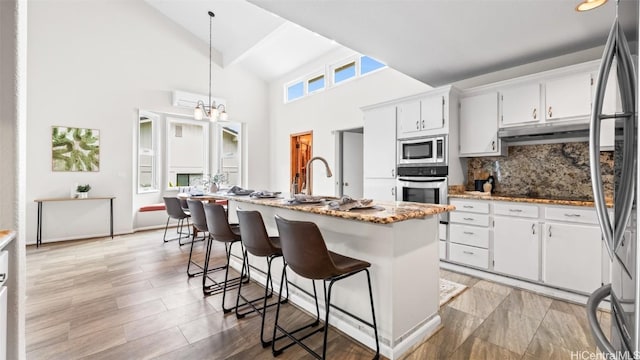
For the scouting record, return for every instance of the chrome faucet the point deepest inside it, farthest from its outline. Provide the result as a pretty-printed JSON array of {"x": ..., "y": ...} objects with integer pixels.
[{"x": 308, "y": 175}]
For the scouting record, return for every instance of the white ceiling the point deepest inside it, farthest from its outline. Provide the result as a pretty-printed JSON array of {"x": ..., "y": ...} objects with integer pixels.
[
  {"x": 434, "y": 41},
  {"x": 265, "y": 43}
]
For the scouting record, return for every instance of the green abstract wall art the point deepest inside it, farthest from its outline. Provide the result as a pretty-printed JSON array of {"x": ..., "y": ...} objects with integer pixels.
[{"x": 75, "y": 149}]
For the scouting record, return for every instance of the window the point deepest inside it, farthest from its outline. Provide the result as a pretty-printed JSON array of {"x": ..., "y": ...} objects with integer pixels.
[
  {"x": 369, "y": 64},
  {"x": 344, "y": 72},
  {"x": 147, "y": 150},
  {"x": 187, "y": 155},
  {"x": 350, "y": 68},
  {"x": 315, "y": 84},
  {"x": 295, "y": 91}
]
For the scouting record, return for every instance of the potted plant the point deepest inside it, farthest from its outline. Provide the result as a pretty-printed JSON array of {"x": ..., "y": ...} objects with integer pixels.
[{"x": 83, "y": 191}]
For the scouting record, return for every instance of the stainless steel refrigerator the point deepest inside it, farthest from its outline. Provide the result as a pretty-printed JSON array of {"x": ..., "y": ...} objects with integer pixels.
[{"x": 619, "y": 231}]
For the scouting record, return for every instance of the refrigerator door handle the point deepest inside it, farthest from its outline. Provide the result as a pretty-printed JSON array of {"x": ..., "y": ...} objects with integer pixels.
[
  {"x": 594, "y": 140},
  {"x": 592, "y": 315},
  {"x": 626, "y": 83}
]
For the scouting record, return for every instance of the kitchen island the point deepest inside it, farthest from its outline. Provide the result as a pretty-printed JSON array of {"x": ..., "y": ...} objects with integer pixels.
[{"x": 399, "y": 239}]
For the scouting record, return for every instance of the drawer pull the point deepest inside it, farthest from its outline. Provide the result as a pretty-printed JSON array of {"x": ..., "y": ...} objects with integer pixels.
[
  {"x": 515, "y": 210},
  {"x": 469, "y": 219},
  {"x": 533, "y": 229},
  {"x": 572, "y": 215},
  {"x": 467, "y": 206},
  {"x": 3, "y": 277},
  {"x": 468, "y": 232},
  {"x": 468, "y": 252}
]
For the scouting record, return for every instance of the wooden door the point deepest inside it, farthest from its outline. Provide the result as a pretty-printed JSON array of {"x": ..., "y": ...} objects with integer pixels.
[{"x": 301, "y": 153}]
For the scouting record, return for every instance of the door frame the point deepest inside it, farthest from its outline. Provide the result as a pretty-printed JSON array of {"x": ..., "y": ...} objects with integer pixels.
[
  {"x": 339, "y": 151},
  {"x": 293, "y": 139}
]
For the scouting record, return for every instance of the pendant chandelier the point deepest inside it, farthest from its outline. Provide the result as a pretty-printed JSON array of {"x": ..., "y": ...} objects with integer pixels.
[{"x": 213, "y": 112}]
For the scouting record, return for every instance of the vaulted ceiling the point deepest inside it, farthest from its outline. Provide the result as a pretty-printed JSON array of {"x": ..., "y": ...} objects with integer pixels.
[{"x": 434, "y": 41}]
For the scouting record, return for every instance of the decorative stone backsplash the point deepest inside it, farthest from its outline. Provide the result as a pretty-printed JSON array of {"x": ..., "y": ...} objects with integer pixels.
[{"x": 543, "y": 171}]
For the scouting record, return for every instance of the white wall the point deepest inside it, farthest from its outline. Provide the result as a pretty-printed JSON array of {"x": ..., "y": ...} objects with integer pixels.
[
  {"x": 13, "y": 22},
  {"x": 93, "y": 64},
  {"x": 333, "y": 109}
]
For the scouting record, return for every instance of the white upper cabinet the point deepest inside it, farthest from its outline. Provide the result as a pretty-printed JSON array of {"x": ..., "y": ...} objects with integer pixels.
[
  {"x": 379, "y": 143},
  {"x": 424, "y": 116},
  {"x": 520, "y": 104},
  {"x": 432, "y": 113},
  {"x": 409, "y": 119},
  {"x": 479, "y": 125},
  {"x": 568, "y": 97}
]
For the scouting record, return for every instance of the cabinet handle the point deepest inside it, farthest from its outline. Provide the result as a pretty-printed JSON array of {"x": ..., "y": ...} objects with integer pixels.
[
  {"x": 493, "y": 145},
  {"x": 549, "y": 230},
  {"x": 468, "y": 232},
  {"x": 515, "y": 210},
  {"x": 393, "y": 172},
  {"x": 423, "y": 124},
  {"x": 535, "y": 113},
  {"x": 469, "y": 219},
  {"x": 550, "y": 112},
  {"x": 467, "y": 206},
  {"x": 467, "y": 252},
  {"x": 3, "y": 277},
  {"x": 533, "y": 229},
  {"x": 393, "y": 191},
  {"x": 417, "y": 125},
  {"x": 572, "y": 215}
]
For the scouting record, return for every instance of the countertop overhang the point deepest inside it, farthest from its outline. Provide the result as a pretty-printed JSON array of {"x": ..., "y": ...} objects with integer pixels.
[
  {"x": 6, "y": 236},
  {"x": 383, "y": 212}
]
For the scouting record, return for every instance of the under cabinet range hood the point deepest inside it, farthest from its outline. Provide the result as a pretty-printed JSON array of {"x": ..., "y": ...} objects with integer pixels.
[{"x": 545, "y": 132}]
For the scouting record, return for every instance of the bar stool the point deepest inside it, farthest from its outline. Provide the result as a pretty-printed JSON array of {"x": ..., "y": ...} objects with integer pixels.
[
  {"x": 175, "y": 211},
  {"x": 306, "y": 253},
  {"x": 258, "y": 243},
  {"x": 199, "y": 222},
  {"x": 220, "y": 230}
]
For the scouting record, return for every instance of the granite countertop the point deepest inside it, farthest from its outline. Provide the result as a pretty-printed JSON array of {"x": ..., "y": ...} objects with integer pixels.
[
  {"x": 476, "y": 195},
  {"x": 6, "y": 236},
  {"x": 383, "y": 212}
]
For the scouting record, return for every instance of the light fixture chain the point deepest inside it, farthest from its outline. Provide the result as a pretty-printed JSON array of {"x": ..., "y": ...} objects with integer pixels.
[{"x": 211, "y": 15}]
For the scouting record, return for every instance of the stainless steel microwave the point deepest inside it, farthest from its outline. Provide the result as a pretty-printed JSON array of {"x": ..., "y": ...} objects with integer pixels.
[{"x": 426, "y": 150}]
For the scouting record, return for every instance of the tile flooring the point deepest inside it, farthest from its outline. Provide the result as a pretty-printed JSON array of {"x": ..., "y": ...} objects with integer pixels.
[
  {"x": 129, "y": 298},
  {"x": 493, "y": 321}
]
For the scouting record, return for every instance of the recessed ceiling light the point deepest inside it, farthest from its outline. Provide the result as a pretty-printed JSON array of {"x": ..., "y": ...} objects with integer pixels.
[{"x": 586, "y": 5}]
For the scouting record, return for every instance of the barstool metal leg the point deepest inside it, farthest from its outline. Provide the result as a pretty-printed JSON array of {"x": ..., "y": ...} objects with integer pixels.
[
  {"x": 373, "y": 315},
  {"x": 289, "y": 334}
]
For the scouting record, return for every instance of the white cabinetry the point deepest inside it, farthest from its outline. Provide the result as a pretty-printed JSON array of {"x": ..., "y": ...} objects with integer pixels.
[
  {"x": 409, "y": 122},
  {"x": 469, "y": 233},
  {"x": 516, "y": 240},
  {"x": 479, "y": 126},
  {"x": 425, "y": 115},
  {"x": 572, "y": 249},
  {"x": 432, "y": 112},
  {"x": 520, "y": 104},
  {"x": 568, "y": 97},
  {"x": 379, "y": 142},
  {"x": 380, "y": 189},
  {"x": 379, "y": 157}
]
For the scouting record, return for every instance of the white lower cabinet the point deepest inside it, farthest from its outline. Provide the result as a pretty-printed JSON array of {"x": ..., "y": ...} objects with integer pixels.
[
  {"x": 469, "y": 255},
  {"x": 516, "y": 247},
  {"x": 572, "y": 256}
]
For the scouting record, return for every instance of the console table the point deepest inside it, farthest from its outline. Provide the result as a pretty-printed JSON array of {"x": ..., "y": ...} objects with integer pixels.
[{"x": 41, "y": 201}]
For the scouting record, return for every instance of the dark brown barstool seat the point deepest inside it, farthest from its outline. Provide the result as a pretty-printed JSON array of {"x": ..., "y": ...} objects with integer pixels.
[
  {"x": 220, "y": 230},
  {"x": 306, "y": 253},
  {"x": 257, "y": 242}
]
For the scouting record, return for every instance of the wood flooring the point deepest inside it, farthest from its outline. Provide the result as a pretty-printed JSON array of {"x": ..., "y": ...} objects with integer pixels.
[{"x": 130, "y": 298}]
